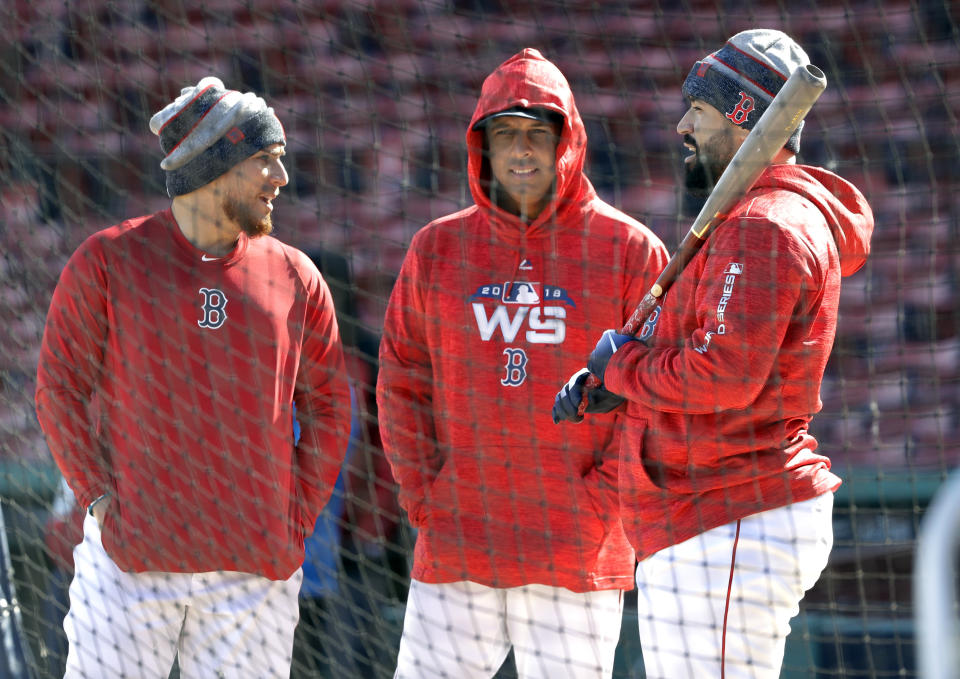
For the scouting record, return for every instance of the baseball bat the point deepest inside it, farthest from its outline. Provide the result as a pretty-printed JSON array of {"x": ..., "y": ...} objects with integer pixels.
[{"x": 769, "y": 135}]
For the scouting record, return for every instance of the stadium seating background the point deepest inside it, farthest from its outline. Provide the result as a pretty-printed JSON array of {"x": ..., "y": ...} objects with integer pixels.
[{"x": 375, "y": 97}]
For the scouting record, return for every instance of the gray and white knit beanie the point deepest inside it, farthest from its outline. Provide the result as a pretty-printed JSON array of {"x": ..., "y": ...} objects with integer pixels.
[
  {"x": 742, "y": 77},
  {"x": 208, "y": 129}
]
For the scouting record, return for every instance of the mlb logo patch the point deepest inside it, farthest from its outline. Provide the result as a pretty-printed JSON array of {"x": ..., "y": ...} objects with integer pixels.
[
  {"x": 235, "y": 135},
  {"x": 521, "y": 292},
  {"x": 703, "y": 68},
  {"x": 734, "y": 268}
]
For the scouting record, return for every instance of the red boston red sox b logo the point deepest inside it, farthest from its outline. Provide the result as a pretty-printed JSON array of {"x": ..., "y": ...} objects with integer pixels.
[{"x": 740, "y": 112}]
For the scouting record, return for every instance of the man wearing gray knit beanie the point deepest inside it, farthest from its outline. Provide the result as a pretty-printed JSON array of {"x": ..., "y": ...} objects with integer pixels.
[
  {"x": 724, "y": 493},
  {"x": 739, "y": 80},
  {"x": 205, "y": 133},
  {"x": 177, "y": 349}
]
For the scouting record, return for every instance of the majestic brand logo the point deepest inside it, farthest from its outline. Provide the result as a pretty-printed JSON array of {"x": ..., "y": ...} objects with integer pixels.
[
  {"x": 214, "y": 309},
  {"x": 741, "y": 111}
]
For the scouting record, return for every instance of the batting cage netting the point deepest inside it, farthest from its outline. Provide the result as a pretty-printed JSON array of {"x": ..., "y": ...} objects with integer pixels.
[{"x": 168, "y": 389}]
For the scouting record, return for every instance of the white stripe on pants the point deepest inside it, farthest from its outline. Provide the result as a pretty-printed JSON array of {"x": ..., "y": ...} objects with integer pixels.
[
  {"x": 132, "y": 625},
  {"x": 690, "y": 627},
  {"x": 463, "y": 630}
]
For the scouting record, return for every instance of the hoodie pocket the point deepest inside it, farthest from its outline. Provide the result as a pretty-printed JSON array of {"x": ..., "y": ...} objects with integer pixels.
[
  {"x": 601, "y": 486},
  {"x": 634, "y": 479},
  {"x": 438, "y": 497}
]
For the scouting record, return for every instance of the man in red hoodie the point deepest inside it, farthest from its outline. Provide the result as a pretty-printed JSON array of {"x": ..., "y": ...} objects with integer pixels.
[
  {"x": 722, "y": 491},
  {"x": 518, "y": 537},
  {"x": 175, "y": 349}
]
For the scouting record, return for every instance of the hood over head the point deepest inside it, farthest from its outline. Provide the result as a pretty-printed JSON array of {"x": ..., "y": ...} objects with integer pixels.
[
  {"x": 843, "y": 206},
  {"x": 528, "y": 81}
]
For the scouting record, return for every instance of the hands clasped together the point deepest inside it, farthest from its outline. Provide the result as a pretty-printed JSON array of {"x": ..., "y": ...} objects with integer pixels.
[{"x": 599, "y": 400}]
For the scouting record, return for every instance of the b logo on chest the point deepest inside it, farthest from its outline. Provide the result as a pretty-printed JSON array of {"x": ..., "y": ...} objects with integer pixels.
[{"x": 214, "y": 308}]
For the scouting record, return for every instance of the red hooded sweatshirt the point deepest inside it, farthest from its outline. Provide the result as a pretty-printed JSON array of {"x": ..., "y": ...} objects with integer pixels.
[
  {"x": 487, "y": 316},
  {"x": 721, "y": 395}
]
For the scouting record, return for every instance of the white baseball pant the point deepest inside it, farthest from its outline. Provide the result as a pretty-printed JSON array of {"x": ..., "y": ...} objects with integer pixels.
[
  {"x": 463, "y": 630},
  {"x": 720, "y": 604},
  {"x": 133, "y": 625}
]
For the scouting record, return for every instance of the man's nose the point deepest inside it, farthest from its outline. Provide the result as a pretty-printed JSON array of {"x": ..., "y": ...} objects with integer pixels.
[
  {"x": 522, "y": 145},
  {"x": 278, "y": 175}
]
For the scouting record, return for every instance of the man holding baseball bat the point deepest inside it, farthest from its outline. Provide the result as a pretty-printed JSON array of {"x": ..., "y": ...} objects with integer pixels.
[{"x": 723, "y": 491}]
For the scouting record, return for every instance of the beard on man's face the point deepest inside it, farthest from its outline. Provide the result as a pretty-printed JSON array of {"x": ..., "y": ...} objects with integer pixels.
[
  {"x": 709, "y": 162},
  {"x": 242, "y": 215}
]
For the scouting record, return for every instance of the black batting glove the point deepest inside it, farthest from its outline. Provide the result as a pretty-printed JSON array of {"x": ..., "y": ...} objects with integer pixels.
[
  {"x": 566, "y": 404},
  {"x": 610, "y": 342},
  {"x": 567, "y": 401}
]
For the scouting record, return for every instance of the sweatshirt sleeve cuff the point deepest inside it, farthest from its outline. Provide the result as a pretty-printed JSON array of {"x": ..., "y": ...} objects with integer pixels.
[
  {"x": 87, "y": 496},
  {"x": 615, "y": 375}
]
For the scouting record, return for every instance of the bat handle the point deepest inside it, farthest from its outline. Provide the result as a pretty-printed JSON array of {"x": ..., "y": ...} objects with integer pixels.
[{"x": 591, "y": 383}]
